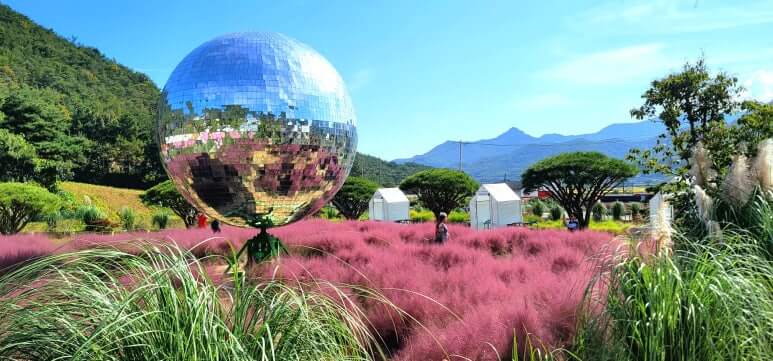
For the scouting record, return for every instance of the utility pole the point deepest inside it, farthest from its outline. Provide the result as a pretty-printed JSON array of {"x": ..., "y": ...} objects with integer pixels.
[{"x": 460, "y": 155}]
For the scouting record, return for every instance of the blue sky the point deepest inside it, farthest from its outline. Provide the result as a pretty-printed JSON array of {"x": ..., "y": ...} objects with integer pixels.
[{"x": 421, "y": 72}]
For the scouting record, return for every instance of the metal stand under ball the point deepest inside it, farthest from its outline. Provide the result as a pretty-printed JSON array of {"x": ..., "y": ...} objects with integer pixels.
[{"x": 263, "y": 246}]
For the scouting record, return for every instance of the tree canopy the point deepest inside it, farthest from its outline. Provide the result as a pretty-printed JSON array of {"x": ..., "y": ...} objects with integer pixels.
[
  {"x": 88, "y": 117},
  {"x": 17, "y": 157},
  {"x": 20, "y": 203},
  {"x": 440, "y": 190},
  {"x": 352, "y": 199},
  {"x": 695, "y": 106},
  {"x": 697, "y": 109},
  {"x": 577, "y": 180},
  {"x": 165, "y": 194},
  {"x": 91, "y": 119},
  {"x": 387, "y": 174}
]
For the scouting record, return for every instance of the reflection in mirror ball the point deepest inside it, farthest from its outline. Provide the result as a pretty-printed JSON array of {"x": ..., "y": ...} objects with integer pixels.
[{"x": 250, "y": 122}]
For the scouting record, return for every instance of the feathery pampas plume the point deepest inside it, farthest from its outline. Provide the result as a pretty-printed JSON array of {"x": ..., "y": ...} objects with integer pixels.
[
  {"x": 662, "y": 230},
  {"x": 704, "y": 203},
  {"x": 700, "y": 166},
  {"x": 739, "y": 184},
  {"x": 763, "y": 165}
]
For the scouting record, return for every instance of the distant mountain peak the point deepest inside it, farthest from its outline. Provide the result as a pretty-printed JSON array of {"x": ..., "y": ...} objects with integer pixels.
[{"x": 488, "y": 162}]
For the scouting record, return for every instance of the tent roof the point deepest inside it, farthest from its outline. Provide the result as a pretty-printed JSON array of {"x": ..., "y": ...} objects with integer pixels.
[
  {"x": 392, "y": 195},
  {"x": 501, "y": 192}
]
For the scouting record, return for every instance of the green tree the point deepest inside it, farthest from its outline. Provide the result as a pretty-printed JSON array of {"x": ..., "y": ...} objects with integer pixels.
[
  {"x": 692, "y": 105},
  {"x": 636, "y": 211},
  {"x": 17, "y": 158},
  {"x": 352, "y": 199},
  {"x": 20, "y": 203},
  {"x": 91, "y": 118},
  {"x": 754, "y": 126},
  {"x": 556, "y": 212},
  {"x": 618, "y": 209},
  {"x": 599, "y": 210},
  {"x": 387, "y": 174},
  {"x": 165, "y": 194},
  {"x": 537, "y": 207},
  {"x": 577, "y": 180},
  {"x": 19, "y": 162},
  {"x": 440, "y": 190}
]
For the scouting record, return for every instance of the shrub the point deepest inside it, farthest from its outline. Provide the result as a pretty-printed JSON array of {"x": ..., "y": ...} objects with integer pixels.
[
  {"x": 636, "y": 211},
  {"x": 614, "y": 227},
  {"x": 128, "y": 218},
  {"x": 556, "y": 212},
  {"x": 165, "y": 194},
  {"x": 93, "y": 217},
  {"x": 157, "y": 306},
  {"x": 421, "y": 215},
  {"x": 329, "y": 212},
  {"x": 161, "y": 219},
  {"x": 599, "y": 210},
  {"x": 52, "y": 220},
  {"x": 69, "y": 205},
  {"x": 537, "y": 207},
  {"x": 20, "y": 203},
  {"x": 618, "y": 209},
  {"x": 458, "y": 217}
]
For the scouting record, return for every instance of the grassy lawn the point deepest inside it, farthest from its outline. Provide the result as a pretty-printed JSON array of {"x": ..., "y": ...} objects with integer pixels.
[
  {"x": 611, "y": 226},
  {"x": 108, "y": 199}
]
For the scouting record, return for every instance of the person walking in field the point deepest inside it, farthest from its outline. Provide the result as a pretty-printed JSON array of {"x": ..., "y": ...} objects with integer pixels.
[
  {"x": 202, "y": 220},
  {"x": 441, "y": 229},
  {"x": 215, "y": 226},
  {"x": 572, "y": 224}
]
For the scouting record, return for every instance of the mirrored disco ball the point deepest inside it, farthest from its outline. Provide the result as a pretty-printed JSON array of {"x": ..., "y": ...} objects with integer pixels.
[{"x": 252, "y": 122}]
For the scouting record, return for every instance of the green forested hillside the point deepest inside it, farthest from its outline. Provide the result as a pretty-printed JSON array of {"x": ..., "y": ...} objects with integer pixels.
[
  {"x": 387, "y": 174},
  {"x": 88, "y": 117},
  {"x": 74, "y": 114}
]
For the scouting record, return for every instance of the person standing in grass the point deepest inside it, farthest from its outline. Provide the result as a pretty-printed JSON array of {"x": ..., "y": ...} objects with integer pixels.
[
  {"x": 202, "y": 220},
  {"x": 441, "y": 229},
  {"x": 215, "y": 226},
  {"x": 572, "y": 224}
]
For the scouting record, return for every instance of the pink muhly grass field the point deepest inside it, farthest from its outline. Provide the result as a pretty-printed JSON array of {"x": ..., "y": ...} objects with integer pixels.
[
  {"x": 466, "y": 297},
  {"x": 22, "y": 247},
  {"x": 463, "y": 298}
]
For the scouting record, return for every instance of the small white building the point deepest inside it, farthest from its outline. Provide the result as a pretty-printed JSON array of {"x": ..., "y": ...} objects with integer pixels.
[
  {"x": 494, "y": 205},
  {"x": 389, "y": 204}
]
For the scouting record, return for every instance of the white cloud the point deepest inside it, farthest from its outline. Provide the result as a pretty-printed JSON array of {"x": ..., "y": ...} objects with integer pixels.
[
  {"x": 541, "y": 101},
  {"x": 676, "y": 16},
  {"x": 615, "y": 66},
  {"x": 759, "y": 86}
]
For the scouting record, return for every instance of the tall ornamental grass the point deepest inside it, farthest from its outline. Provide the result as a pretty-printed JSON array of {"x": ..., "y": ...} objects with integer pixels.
[
  {"x": 711, "y": 302},
  {"x": 106, "y": 304}
]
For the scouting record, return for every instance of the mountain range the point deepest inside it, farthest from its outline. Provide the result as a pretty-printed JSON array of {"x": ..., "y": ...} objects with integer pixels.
[{"x": 506, "y": 156}]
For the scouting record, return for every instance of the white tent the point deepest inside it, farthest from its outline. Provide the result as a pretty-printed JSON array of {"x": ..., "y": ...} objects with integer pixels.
[
  {"x": 494, "y": 205},
  {"x": 389, "y": 204}
]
